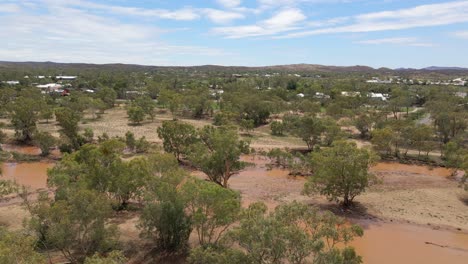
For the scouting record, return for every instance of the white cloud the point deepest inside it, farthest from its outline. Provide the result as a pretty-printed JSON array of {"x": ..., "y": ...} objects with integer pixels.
[
  {"x": 9, "y": 8},
  {"x": 229, "y": 3},
  {"x": 61, "y": 33},
  {"x": 419, "y": 16},
  {"x": 220, "y": 16},
  {"x": 179, "y": 14},
  {"x": 397, "y": 41},
  {"x": 283, "y": 21},
  {"x": 461, "y": 34}
]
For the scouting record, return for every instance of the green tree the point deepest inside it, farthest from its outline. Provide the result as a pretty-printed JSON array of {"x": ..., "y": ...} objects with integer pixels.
[
  {"x": 18, "y": 248},
  {"x": 308, "y": 128},
  {"x": 115, "y": 257},
  {"x": 101, "y": 168},
  {"x": 341, "y": 172},
  {"x": 277, "y": 128},
  {"x": 177, "y": 137},
  {"x": 247, "y": 125},
  {"x": 293, "y": 233},
  {"x": 212, "y": 209},
  {"x": 218, "y": 154},
  {"x": 164, "y": 218},
  {"x": 47, "y": 113},
  {"x": 130, "y": 140},
  {"x": 45, "y": 141},
  {"x": 382, "y": 140},
  {"x": 24, "y": 113},
  {"x": 108, "y": 96},
  {"x": 136, "y": 114},
  {"x": 68, "y": 120},
  {"x": 77, "y": 226},
  {"x": 147, "y": 104}
]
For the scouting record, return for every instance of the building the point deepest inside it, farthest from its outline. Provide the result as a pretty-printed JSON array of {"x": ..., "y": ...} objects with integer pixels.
[{"x": 66, "y": 78}]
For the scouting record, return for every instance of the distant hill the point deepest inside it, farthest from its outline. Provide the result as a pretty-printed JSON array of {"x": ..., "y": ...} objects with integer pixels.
[
  {"x": 436, "y": 68},
  {"x": 292, "y": 68}
]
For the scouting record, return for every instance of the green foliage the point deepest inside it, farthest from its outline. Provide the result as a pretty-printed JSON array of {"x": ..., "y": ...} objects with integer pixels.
[
  {"x": 177, "y": 137},
  {"x": 213, "y": 255},
  {"x": 24, "y": 113},
  {"x": 47, "y": 113},
  {"x": 293, "y": 233},
  {"x": 218, "y": 153},
  {"x": 163, "y": 218},
  {"x": 212, "y": 209},
  {"x": 68, "y": 120},
  {"x": 340, "y": 172},
  {"x": 277, "y": 128},
  {"x": 382, "y": 140},
  {"x": 136, "y": 114},
  {"x": 108, "y": 96},
  {"x": 76, "y": 226},
  {"x": 7, "y": 187},
  {"x": 18, "y": 248},
  {"x": 45, "y": 141},
  {"x": 280, "y": 157},
  {"x": 247, "y": 125},
  {"x": 130, "y": 140},
  {"x": 88, "y": 135},
  {"x": 224, "y": 118},
  {"x": 101, "y": 168},
  {"x": 142, "y": 145},
  {"x": 147, "y": 104},
  {"x": 308, "y": 128},
  {"x": 114, "y": 257}
]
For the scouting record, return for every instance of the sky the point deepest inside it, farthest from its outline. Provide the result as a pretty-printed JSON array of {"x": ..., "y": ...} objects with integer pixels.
[{"x": 376, "y": 33}]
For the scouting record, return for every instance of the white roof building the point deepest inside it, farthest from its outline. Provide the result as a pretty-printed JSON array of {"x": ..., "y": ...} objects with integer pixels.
[
  {"x": 50, "y": 86},
  {"x": 380, "y": 96},
  {"x": 65, "y": 77},
  {"x": 12, "y": 82}
]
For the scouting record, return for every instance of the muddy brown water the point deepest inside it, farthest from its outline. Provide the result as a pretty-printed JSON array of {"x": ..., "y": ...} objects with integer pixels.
[
  {"x": 32, "y": 175},
  {"x": 414, "y": 169},
  {"x": 29, "y": 150},
  {"x": 383, "y": 243},
  {"x": 404, "y": 243}
]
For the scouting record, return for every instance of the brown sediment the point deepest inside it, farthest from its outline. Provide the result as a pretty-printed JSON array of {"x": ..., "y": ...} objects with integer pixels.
[
  {"x": 388, "y": 243},
  {"x": 32, "y": 175}
]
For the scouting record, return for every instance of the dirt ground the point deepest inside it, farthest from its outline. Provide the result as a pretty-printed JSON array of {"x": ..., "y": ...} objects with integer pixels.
[{"x": 413, "y": 197}]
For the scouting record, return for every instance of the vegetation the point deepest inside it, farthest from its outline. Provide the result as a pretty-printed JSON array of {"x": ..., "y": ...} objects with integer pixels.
[
  {"x": 101, "y": 180},
  {"x": 341, "y": 172}
]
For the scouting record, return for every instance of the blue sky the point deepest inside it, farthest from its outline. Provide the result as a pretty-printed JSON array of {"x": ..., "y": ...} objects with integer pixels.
[{"x": 377, "y": 33}]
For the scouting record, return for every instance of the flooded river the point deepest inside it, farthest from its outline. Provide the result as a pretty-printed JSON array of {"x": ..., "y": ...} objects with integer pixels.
[
  {"x": 32, "y": 175},
  {"x": 404, "y": 243},
  {"x": 383, "y": 243}
]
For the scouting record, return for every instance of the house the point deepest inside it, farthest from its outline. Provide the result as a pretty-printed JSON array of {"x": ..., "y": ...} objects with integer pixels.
[
  {"x": 12, "y": 82},
  {"x": 350, "y": 94},
  {"x": 300, "y": 95},
  {"x": 50, "y": 87},
  {"x": 379, "y": 96},
  {"x": 321, "y": 96},
  {"x": 66, "y": 78}
]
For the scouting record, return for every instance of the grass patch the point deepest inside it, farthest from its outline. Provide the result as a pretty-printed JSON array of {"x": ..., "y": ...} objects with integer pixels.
[{"x": 20, "y": 157}]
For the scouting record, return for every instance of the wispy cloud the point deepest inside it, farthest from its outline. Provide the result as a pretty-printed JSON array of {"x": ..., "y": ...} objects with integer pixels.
[
  {"x": 220, "y": 16},
  {"x": 283, "y": 21},
  {"x": 397, "y": 41},
  {"x": 461, "y": 34},
  {"x": 52, "y": 35},
  {"x": 229, "y": 3},
  {"x": 9, "y": 8},
  {"x": 419, "y": 16}
]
